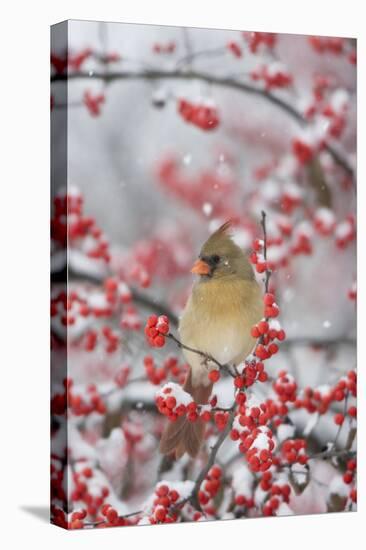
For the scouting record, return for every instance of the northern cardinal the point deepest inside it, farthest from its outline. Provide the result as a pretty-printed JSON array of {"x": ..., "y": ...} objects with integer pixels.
[{"x": 225, "y": 303}]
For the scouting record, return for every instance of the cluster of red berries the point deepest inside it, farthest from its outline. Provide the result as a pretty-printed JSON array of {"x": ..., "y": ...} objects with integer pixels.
[
  {"x": 257, "y": 39},
  {"x": 253, "y": 371},
  {"x": 345, "y": 232},
  {"x": 235, "y": 49},
  {"x": 73, "y": 60},
  {"x": 293, "y": 450},
  {"x": 155, "y": 375},
  {"x": 130, "y": 318},
  {"x": 257, "y": 257},
  {"x": 303, "y": 151},
  {"x": 99, "y": 305},
  {"x": 350, "y": 472},
  {"x": 352, "y": 292},
  {"x": 112, "y": 339},
  {"x": 58, "y": 404},
  {"x": 290, "y": 199},
  {"x": 351, "y": 412},
  {"x": 169, "y": 47},
  {"x": 122, "y": 376},
  {"x": 210, "y": 487},
  {"x": 320, "y": 401},
  {"x": 163, "y": 253},
  {"x": 62, "y": 304},
  {"x": 90, "y": 339},
  {"x": 207, "y": 187},
  {"x": 156, "y": 330},
  {"x": 93, "y": 102},
  {"x": 108, "y": 517},
  {"x": 133, "y": 432},
  {"x": 278, "y": 493},
  {"x": 58, "y": 63},
  {"x": 259, "y": 459},
  {"x": 69, "y": 222},
  {"x": 64, "y": 204},
  {"x": 173, "y": 402},
  {"x": 81, "y": 493},
  {"x": 301, "y": 239},
  {"x": 349, "y": 479},
  {"x": 72, "y": 306},
  {"x": 273, "y": 76},
  {"x": 200, "y": 115},
  {"x": 116, "y": 291},
  {"x": 139, "y": 274},
  {"x": 330, "y": 104},
  {"x": 83, "y": 405},
  {"x": 221, "y": 418},
  {"x": 324, "y": 221},
  {"x": 107, "y": 337},
  {"x": 285, "y": 387},
  {"x": 111, "y": 515},
  {"x": 256, "y": 439},
  {"x": 163, "y": 505},
  {"x": 171, "y": 367},
  {"x": 337, "y": 125},
  {"x": 268, "y": 331},
  {"x": 327, "y": 44},
  {"x": 77, "y": 519},
  {"x": 76, "y": 60},
  {"x": 242, "y": 500},
  {"x": 276, "y": 411}
]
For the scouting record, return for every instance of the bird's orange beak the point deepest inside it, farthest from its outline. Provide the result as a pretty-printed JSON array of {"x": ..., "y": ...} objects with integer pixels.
[{"x": 201, "y": 268}]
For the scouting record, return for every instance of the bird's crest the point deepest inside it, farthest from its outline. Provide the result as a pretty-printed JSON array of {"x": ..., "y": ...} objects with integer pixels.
[
  {"x": 220, "y": 240},
  {"x": 224, "y": 228}
]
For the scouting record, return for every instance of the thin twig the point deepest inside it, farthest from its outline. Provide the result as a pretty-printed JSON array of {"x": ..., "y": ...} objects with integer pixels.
[
  {"x": 206, "y": 356},
  {"x": 326, "y": 455}
]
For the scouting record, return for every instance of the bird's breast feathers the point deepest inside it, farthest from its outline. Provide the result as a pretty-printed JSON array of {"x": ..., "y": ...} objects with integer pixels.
[{"x": 218, "y": 318}]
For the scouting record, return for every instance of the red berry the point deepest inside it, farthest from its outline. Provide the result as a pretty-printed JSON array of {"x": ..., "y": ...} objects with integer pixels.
[
  {"x": 214, "y": 375},
  {"x": 268, "y": 299},
  {"x": 348, "y": 478},
  {"x": 263, "y": 327},
  {"x": 112, "y": 515},
  {"x": 160, "y": 514},
  {"x": 339, "y": 419}
]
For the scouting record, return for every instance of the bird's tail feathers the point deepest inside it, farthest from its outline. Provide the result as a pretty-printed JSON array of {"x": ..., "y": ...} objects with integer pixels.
[{"x": 183, "y": 436}]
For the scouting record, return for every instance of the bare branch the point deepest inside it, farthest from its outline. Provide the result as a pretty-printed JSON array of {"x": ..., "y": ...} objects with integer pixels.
[
  {"x": 206, "y": 356},
  {"x": 227, "y": 82}
]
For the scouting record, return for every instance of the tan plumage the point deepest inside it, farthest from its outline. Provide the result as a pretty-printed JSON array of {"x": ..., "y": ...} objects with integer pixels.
[{"x": 224, "y": 304}]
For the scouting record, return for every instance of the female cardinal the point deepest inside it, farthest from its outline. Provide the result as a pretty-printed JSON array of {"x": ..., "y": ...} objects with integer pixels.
[{"x": 224, "y": 304}]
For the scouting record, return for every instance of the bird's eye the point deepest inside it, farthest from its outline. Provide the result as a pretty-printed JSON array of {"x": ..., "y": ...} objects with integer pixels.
[{"x": 215, "y": 259}]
